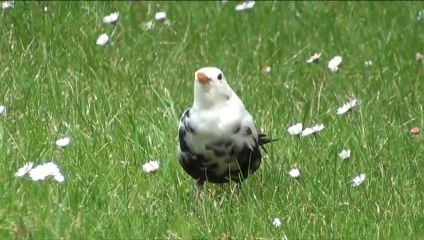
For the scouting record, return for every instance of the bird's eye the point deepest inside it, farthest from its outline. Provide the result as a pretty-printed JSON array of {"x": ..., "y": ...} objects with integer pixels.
[{"x": 219, "y": 76}]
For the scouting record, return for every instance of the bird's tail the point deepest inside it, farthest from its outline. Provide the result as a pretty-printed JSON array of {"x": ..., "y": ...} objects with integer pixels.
[{"x": 264, "y": 139}]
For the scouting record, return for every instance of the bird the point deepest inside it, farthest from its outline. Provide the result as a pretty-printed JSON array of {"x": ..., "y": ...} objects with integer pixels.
[{"x": 217, "y": 137}]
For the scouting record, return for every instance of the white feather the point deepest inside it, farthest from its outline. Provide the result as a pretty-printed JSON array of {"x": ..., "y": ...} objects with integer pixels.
[{"x": 215, "y": 113}]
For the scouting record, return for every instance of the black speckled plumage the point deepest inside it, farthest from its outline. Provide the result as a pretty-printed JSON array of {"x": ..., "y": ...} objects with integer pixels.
[{"x": 198, "y": 165}]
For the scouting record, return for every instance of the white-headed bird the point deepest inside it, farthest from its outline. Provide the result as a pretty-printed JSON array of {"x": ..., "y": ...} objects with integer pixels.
[{"x": 218, "y": 139}]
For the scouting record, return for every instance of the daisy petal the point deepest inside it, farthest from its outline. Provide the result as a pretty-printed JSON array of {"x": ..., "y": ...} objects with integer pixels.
[
  {"x": 151, "y": 166},
  {"x": 7, "y": 4},
  {"x": 276, "y": 222},
  {"x": 415, "y": 130},
  {"x": 24, "y": 169},
  {"x": 347, "y": 106},
  {"x": 344, "y": 154},
  {"x": 314, "y": 58},
  {"x": 111, "y": 18},
  {"x": 103, "y": 39},
  {"x": 63, "y": 142},
  {"x": 159, "y": 16},
  {"x": 334, "y": 63},
  {"x": 295, "y": 129},
  {"x": 368, "y": 63},
  {"x": 3, "y": 110},
  {"x": 245, "y": 6},
  {"x": 356, "y": 181},
  {"x": 59, "y": 177},
  {"x": 294, "y": 173}
]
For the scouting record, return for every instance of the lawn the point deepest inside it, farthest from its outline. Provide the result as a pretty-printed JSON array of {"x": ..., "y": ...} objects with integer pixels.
[{"x": 121, "y": 102}]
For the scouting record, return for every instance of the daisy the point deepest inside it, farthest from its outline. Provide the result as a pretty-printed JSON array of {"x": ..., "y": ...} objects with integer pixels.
[
  {"x": 312, "y": 130},
  {"x": 7, "y": 4},
  {"x": 276, "y": 222},
  {"x": 45, "y": 170},
  {"x": 347, "y": 106},
  {"x": 111, "y": 18},
  {"x": 267, "y": 69},
  {"x": 102, "y": 40},
  {"x": 420, "y": 15},
  {"x": 296, "y": 129},
  {"x": 294, "y": 173},
  {"x": 415, "y": 130},
  {"x": 151, "y": 166},
  {"x": 344, "y": 154},
  {"x": 356, "y": 181},
  {"x": 368, "y": 63},
  {"x": 245, "y": 6},
  {"x": 334, "y": 63},
  {"x": 314, "y": 58},
  {"x": 419, "y": 56},
  {"x": 3, "y": 110},
  {"x": 24, "y": 169},
  {"x": 63, "y": 142},
  {"x": 159, "y": 16}
]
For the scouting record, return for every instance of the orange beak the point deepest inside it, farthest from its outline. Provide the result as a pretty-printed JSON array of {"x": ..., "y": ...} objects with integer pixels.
[{"x": 202, "y": 78}]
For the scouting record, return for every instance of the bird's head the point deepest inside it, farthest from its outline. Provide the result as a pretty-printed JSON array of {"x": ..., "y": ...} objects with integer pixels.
[{"x": 210, "y": 87}]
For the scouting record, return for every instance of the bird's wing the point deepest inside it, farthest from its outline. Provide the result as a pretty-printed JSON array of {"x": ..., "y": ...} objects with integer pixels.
[
  {"x": 183, "y": 130},
  {"x": 232, "y": 153}
]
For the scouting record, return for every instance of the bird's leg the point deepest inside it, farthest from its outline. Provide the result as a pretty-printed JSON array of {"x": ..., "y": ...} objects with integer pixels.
[{"x": 199, "y": 187}]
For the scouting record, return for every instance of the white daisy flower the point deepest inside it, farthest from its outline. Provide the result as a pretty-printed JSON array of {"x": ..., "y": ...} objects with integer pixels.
[
  {"x": 267, "y": 69},
  {"x": 24, "y": 169},
  {"x": 295, "y": 129},
  {"x": 420, "y": 15},
  {"x": 45, "y": 170},
  {"x": 63, "y": 142},
  {"x": 7, "y": 4},
  {"x": 3, "y": 110},
  {"x": 45, "y": 9},
  {"x": 294, "y": 173},
  {"x": 111, "y": 18},
  {"x": 356, "y": 181},
  {"x": 314, "y": 58},
  {"x": 276, "y": 222},
  {"x": 334, "y": 63},
  {"x": 368, "y": 63},
  {"x": 419, "y": 56},
  {"x": 344, "y": 154},
  {"x": 151, "y": 166},
  {"x": 245, "y": 6},
  {"x": 312, "y": 130},
  {"x": 102, "y": 40},
  {"x": 159, "y": 16},
  {"x": 347, "y": 106}
]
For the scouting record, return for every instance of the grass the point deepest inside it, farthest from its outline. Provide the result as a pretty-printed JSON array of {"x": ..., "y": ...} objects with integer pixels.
[{"x": 121, "y": 103}]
